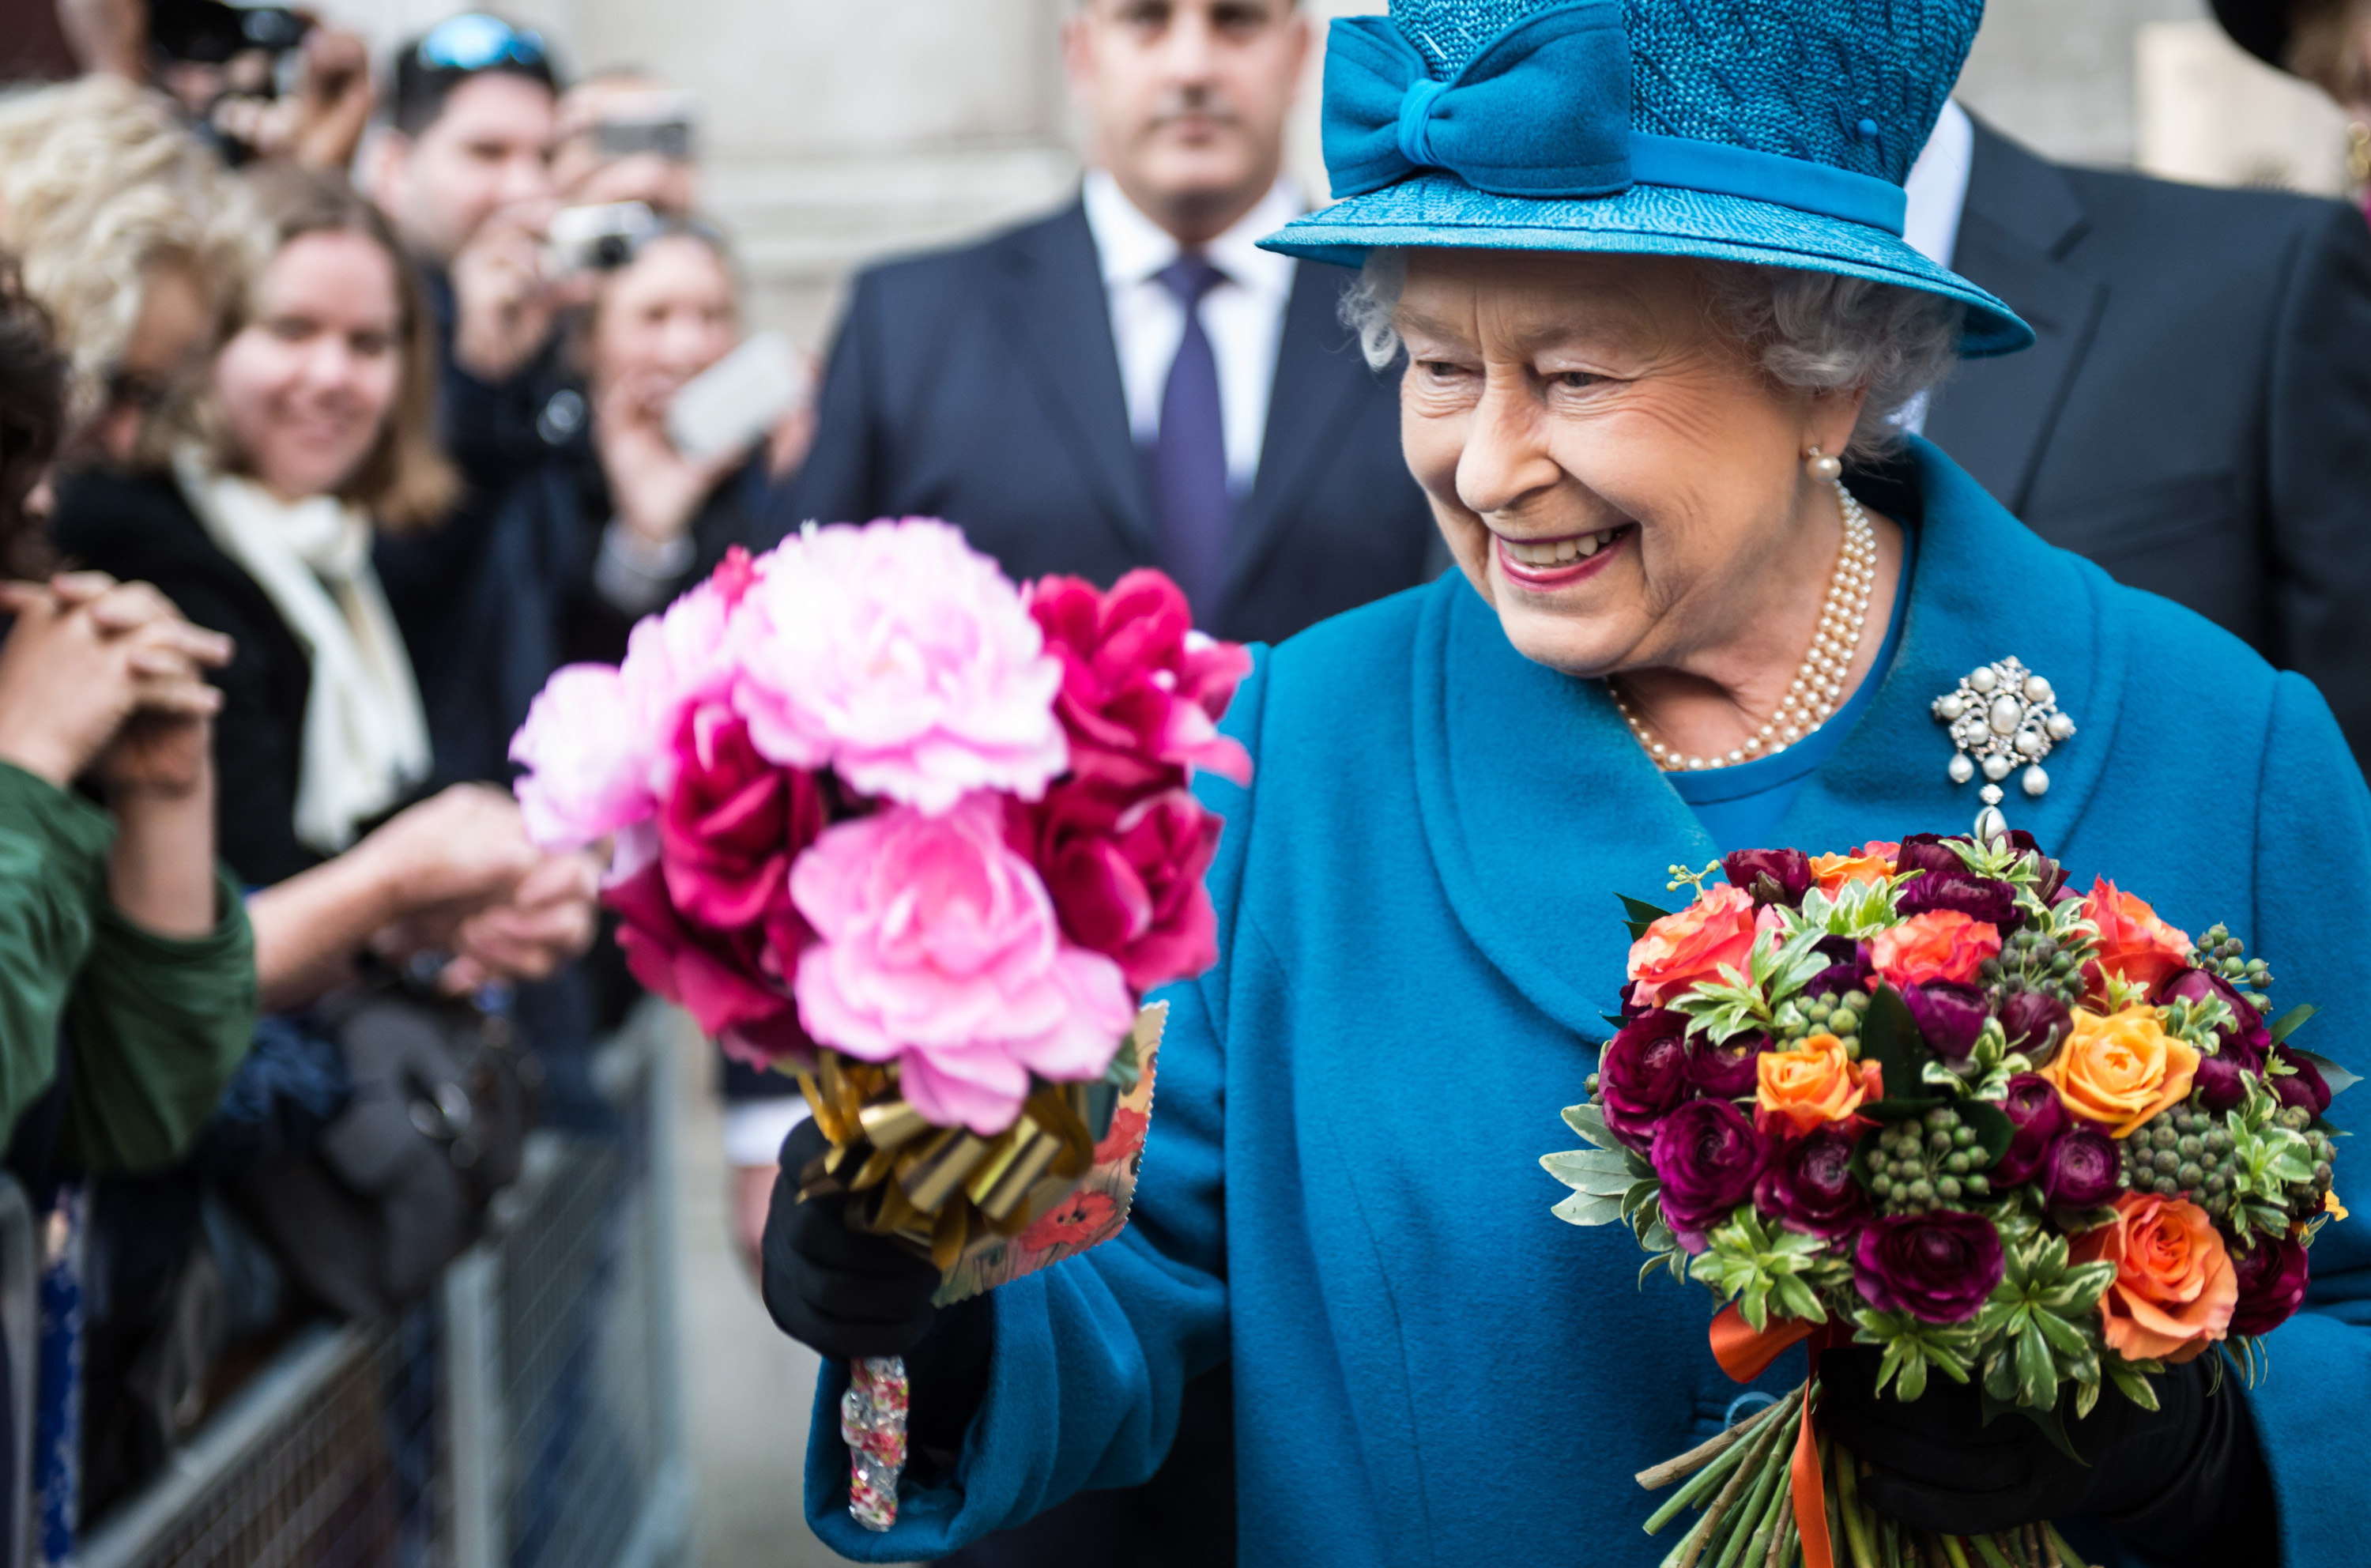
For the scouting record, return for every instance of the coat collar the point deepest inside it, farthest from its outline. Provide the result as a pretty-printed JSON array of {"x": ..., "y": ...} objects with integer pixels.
[{"x": 1539, "y": 808}]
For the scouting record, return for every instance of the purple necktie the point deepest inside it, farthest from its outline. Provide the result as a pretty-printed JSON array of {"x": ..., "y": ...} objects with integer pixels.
[{"x": 1189, "y": 455}]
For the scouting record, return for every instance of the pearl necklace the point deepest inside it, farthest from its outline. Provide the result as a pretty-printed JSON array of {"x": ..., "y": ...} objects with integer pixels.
[{"x": 1818, "y": 686}]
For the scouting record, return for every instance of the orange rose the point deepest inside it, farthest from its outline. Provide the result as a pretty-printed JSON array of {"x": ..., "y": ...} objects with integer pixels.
[
  {"x": 1814, "y": 1083},
  {"x": 2174, "y": 1287},
  {"x": 1692, "y": 944},
  {"x": 2120, "y": 1069},
  {"x": 1873, "y": 861},
  {"x": 2134, "y": 945},
  {"x": 1941, "y": 944}
]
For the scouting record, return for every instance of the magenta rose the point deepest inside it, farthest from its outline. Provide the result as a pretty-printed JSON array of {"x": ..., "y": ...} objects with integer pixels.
[
  {"x": 1142, "y": 691},
  {"x": 1642, "y": 1075},
  {"x": 1730, "y": 1070},
  {"x": 1706, "y": 1154},
  {"x": 731, "y": 982},
  {"x": 2272, "y": 1277},
  {"x": 2039, "y": 1116},
  {"x": 1770, "y": 876},
  {"x": 939, "y": 949},
  {"x": 1979, "y": 898},
  {"x": 2220, "y": 1083},
  {"x": 1929, "y": 852},
  {"x": 2082, "y": 1169},
  {"x": 1126, "y": 875},
  {"x": 1938, "y": 1266},
  {"x": 730, "y": 826},
  {"x": 1808, "y": 1182},
  {"x": 2049, "y": 876},
  {"x": 1849, "y": 969}
]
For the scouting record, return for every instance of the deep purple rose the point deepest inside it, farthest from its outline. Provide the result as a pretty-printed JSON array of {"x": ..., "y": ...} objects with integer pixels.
[
  {"x": 1929, "y": 852},
  {"x": 1642, "y": 1073},
  {"x": 2035, "y": 1024},
  {"x": 1770, "y": 876},
  {"x": 1849, "y": 968},
  {"x": 2049, "y": 876},
  {"x": 2081, "y": 1171},
  {"x": 1948, "y": 1016},
  {"x": 1979, "y": 898},
  {"x": 2220, "y": 1082},
  {"x": 2305, "y": 1087},
  {"x": 2040, "y": 1116},
  {"x": 2272, "y": 1283},
  {"x": 1938, "y": 1266},
  {"x": 1706, "y": 1155},
  {"x": 1807, "y": 1184},
  {"x": 2245, "y": 1041},
  {"x": 1729, "y": 1070}
]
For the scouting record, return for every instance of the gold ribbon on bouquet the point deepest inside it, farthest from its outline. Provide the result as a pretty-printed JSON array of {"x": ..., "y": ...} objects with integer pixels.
[{"x": 939, "y": 1188}]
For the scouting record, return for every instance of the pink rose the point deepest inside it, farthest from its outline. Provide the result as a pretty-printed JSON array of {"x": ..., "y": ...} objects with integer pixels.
[
  {"x": 1142, "y": 691},
  {"x": 901, "y": 659},
  {"x": 729, "y": 981},
  {"x": 731, "y": 827},
  {"x": 1126, "y": 875},
  {"x": 588, "y": 770},
  {"x": 940, "y": 949},
  {"x": 676, "y": 658}
]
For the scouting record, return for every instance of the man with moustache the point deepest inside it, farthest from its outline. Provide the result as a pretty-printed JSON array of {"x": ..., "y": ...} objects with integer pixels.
[{"x": 1130, "y": 382}]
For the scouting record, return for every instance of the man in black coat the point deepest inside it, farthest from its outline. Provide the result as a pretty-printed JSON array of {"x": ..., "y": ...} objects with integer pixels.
[
  {"x": 2195, "y": 415},
  {"x": 1132, "y": 383}
]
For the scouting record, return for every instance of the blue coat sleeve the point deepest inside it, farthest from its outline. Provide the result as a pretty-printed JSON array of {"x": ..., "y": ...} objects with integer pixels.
[
  {"x": 1091, "y": 1356},
  {"x": 2312, "y": 923}
]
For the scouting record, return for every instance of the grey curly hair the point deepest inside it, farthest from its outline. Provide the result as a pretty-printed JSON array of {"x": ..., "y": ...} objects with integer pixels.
[{"x": 1814, "y": 330}]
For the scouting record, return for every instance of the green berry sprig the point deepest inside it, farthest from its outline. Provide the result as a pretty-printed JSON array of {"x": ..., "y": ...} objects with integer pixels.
[
  {"x": 2225, "y": 956},
  {"x": 2032, "y": 961},
  {"x": 1933, "y": 1161}
]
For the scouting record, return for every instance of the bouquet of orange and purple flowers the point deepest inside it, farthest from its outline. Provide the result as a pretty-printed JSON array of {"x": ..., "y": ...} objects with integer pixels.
[
  {"x": 1925, "y": 1097},
  {"x": 888, "y": 821}
]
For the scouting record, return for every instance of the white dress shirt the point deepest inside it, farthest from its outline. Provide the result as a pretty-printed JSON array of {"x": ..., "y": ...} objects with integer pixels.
[
  {"x": 1244, "y": 315},
  {"x": 1937, "y": 189}
]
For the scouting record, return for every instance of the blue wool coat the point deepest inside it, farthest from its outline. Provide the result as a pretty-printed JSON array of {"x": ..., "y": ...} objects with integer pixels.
[{"x": 1342, "y": 1188}]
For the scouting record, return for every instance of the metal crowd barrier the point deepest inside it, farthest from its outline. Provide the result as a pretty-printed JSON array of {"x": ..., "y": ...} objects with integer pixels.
[
  {"x": 20, "y": 1278},
  {"x": 527, "y": 1416}
]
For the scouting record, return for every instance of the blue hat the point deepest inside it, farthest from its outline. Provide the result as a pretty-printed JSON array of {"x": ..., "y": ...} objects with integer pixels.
[{"x": 1775, "y": 131}]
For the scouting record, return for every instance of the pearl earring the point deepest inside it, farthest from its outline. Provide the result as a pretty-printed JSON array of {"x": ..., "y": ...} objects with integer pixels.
[{"x": 1823, "y": 467}]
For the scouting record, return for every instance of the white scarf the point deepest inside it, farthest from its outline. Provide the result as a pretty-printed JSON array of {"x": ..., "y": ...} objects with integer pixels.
[{"x": 365, "y": 736}]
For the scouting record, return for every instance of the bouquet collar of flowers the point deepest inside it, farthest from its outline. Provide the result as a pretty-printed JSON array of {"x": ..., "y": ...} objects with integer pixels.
[{"x": 1927, "y": 1097}]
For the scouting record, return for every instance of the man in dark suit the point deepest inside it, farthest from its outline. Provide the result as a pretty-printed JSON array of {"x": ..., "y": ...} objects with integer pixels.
[
  {"x": 1130, "y": 383},
  {"x": 2195, "y": 415}
]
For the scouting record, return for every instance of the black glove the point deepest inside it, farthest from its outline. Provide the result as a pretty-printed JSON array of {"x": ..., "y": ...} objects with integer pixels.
[
  {"x": 845, "y": 1293},
  {"x": 2186, "y": 1481},
  {"x": 839, "y": 1291}
]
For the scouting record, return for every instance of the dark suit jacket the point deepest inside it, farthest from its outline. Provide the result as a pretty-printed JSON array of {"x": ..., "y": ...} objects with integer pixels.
[
  {"x": 982, "y": 386},
  {"x": 2196, "y": 415}
]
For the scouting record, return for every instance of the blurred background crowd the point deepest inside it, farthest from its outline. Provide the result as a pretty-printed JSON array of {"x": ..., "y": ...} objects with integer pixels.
[{"x": 361, "y": 366}]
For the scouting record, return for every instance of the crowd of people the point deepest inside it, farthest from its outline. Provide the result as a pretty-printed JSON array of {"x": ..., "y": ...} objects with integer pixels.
[{"x": 335, "y": 418}]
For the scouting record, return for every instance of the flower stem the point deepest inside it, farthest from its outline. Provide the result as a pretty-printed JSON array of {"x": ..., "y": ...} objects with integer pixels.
[
  {"x": 2067, "y": 1555},
  {"x": 1988, "y": 1551},
  {"x": 1955, "y": 1552},
  {"x": 1720, "y": 1466},
  {"x": 1702, "y": 1536},
  {"x": 1856, "y": 1532},
  {"x": 1656, "y": 1477},
  {"x": 1754, "y": 1517}
]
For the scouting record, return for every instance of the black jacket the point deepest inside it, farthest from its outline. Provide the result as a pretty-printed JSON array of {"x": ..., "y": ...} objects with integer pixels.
[
  {"x": 140, "y": 528},
  {"x": 982, "y": 386},
  {"x": 2196, "y": 414}
]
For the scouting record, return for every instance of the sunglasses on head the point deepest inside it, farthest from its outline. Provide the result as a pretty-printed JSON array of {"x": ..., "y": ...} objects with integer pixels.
[{"x": 476, "y": 41}]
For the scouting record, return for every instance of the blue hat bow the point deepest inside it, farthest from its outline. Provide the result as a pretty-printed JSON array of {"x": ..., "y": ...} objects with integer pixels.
[{"x": 1542, "y": 111}]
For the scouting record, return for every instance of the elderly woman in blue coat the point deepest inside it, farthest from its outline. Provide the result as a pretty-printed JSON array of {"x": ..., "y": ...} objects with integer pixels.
[{"x": 1643, "y": 261}]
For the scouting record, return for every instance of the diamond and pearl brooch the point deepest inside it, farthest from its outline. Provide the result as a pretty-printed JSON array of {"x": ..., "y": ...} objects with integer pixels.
[{"x": 2003, "y": 717}]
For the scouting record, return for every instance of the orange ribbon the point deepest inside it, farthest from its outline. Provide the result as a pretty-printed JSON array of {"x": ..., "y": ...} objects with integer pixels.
[{"x": 1746, "y": 1353}]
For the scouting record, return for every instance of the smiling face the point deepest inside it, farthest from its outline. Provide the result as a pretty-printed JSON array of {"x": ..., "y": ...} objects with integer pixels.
[
  {"x": 663, "y": 320},
  {"x": 307, "y": 387},
  {"x": 1613, "y": 473}
]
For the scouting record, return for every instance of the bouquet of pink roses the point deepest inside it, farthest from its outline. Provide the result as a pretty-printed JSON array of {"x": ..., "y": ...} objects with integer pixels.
[{"x": 921, "y": 836}]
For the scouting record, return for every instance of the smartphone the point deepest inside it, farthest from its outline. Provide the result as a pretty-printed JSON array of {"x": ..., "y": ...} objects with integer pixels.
[
  {"x": 739, "y": 399},
  {"x": 660, "y": 122},
  {"x": 596, "y": 239}
]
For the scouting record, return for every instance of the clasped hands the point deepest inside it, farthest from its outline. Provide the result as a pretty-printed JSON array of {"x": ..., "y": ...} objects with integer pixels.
[{"x": 103, "y": 675}]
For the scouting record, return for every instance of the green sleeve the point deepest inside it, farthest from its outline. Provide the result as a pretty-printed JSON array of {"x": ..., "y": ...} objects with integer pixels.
[
  {"x": 158, "y": 1026},
  {"x": 52, "y": 849}
]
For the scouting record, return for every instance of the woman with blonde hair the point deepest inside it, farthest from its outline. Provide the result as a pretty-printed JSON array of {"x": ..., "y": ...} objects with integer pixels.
[
  {"x": 313, "y": 433},
  {"x": 127, "y": 229}
]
